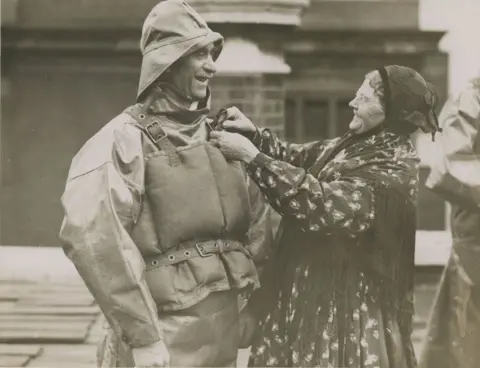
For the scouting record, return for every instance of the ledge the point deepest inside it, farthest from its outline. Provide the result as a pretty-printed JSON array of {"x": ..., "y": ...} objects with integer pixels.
[
  {"x": 276, "y": 12},
  {"x": 128, "y": 14},
  {"x": 9, "y": 10},
  {"x": 364, "y": 42},
  {"x": 31, "y": 263},
  {"x": 432, "y": 248},
  {"x": 361, "y": 15},
  {"x": 252, "y": 59}
]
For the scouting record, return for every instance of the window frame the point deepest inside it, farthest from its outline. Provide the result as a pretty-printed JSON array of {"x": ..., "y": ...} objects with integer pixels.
[{"x": 299, "y": 98}]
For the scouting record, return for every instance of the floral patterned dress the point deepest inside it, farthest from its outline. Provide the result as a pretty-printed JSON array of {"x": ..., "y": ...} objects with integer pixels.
[{"x": 332, "y": 297}]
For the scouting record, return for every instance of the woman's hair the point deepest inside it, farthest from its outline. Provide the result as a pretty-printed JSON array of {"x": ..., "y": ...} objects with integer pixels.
[{"x": 375, "y": 81}]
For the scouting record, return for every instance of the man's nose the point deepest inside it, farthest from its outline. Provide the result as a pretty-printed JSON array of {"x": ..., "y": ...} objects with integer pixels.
[
  {"x": 210, "y": 66},
  {"x": 353, "y": 103}
]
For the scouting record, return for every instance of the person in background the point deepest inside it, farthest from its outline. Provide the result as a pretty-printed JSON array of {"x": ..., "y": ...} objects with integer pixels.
[
  {"x": 163, "y": 230},
  {"x": 453, "y": 333},
  {"x": 339, "y": 292}
]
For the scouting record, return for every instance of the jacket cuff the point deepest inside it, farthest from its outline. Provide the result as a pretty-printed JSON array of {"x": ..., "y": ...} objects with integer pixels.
[
  {"x": 453, "y": 191},
  {"x": 250, "y": 135},
  {"x": 256, "y": 138},
  {"x": 143, "y": 336},
  {"x": 260, "y": 160}
]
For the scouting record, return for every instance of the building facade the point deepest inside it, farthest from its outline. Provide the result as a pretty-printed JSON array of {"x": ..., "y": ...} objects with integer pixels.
[{"x": 69, "y": 66}]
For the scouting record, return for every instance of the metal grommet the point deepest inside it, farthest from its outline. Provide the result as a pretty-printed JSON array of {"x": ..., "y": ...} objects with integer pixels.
[
  {"x": 187, "y": 253},
  {"x": 141, "y": 116},
  {"x": 155, "y": 263},
  {"x": 171, "y": 257},
  {"x": 227, "y": 245}
]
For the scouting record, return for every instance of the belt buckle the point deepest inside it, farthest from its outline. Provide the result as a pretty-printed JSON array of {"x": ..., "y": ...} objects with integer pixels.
[{"x": 201, "y": 251}]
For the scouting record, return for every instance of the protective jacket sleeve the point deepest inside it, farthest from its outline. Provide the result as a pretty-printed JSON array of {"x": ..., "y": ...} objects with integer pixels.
[{"x": 101, "y": 203}]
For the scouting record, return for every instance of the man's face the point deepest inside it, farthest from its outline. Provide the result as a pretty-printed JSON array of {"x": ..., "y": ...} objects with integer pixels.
[{"x": 192, "y": 73}]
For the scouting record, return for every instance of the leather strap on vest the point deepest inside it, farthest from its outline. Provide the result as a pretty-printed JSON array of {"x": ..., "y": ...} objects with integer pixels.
[
  {"x": 192, "y": 250},
  {"x": 152, "y": 128},
  {"x": 216, "y": 124}
]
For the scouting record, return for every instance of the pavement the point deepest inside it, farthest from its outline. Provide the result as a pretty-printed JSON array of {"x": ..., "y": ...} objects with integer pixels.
[
  {"x": 54, "y": 325},
  {"x": 45, "y": 324},
  {"x": 48, "y": 318}
]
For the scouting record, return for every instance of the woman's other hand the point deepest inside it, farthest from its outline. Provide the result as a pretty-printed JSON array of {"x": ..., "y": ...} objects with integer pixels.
[
  {"x": 238, "y": 122},
  {"x": 234, "y": 146}
]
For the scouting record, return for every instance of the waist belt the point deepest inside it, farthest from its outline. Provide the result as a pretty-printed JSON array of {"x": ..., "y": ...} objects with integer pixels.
[{"x": 189, "y": 250}]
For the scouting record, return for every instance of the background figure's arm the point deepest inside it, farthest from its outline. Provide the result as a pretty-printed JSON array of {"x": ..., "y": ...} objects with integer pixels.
[{"x": 456, "y": 174}]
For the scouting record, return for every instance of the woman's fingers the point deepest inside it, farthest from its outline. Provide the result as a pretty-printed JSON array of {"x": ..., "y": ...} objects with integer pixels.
[
  {"x": 233, "y": 113},
  {"x": 232, "y": 124}
]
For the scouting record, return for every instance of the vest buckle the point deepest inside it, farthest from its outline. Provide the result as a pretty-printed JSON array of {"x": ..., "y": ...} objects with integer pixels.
[
  {"x": 201, "y": 250},
  {"x": 155, "y": 131}
]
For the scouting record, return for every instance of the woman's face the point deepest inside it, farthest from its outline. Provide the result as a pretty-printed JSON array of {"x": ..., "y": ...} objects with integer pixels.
[{"x": 367, "y": 109}]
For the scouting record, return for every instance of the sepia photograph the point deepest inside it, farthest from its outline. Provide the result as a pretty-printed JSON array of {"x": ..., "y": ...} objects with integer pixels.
[{"x": 240, "y": 183}]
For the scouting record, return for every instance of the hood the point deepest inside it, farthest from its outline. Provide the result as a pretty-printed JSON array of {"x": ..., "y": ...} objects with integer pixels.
[{"x": 173, "y": 29}]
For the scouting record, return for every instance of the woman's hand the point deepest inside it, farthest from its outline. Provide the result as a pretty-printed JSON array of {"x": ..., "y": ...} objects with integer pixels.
[
  {"x": 234, "y": 146},
  {"x": 238, "y": 122}
]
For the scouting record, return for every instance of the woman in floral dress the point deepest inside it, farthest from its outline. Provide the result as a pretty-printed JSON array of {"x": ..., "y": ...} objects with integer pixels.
[{"x": 339, "y": 290}]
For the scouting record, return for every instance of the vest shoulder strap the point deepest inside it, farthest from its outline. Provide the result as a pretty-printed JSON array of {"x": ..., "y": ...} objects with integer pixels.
[{"x": 151, "y": 126}]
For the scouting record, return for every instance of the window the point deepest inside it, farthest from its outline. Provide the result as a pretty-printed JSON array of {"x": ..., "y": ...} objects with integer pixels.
[
  {"x": 309, "y": 118},
  {"x": 306, "y": 119},
  {"x": 431, "y": 209},
  {"x": 290, "y": 118},
  {"x": 315, "y": 119},
  {"x": 344, "y": 116}
]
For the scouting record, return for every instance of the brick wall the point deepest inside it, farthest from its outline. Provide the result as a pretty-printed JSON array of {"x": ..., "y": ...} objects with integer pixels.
[{"x": 260, "y": 97}]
